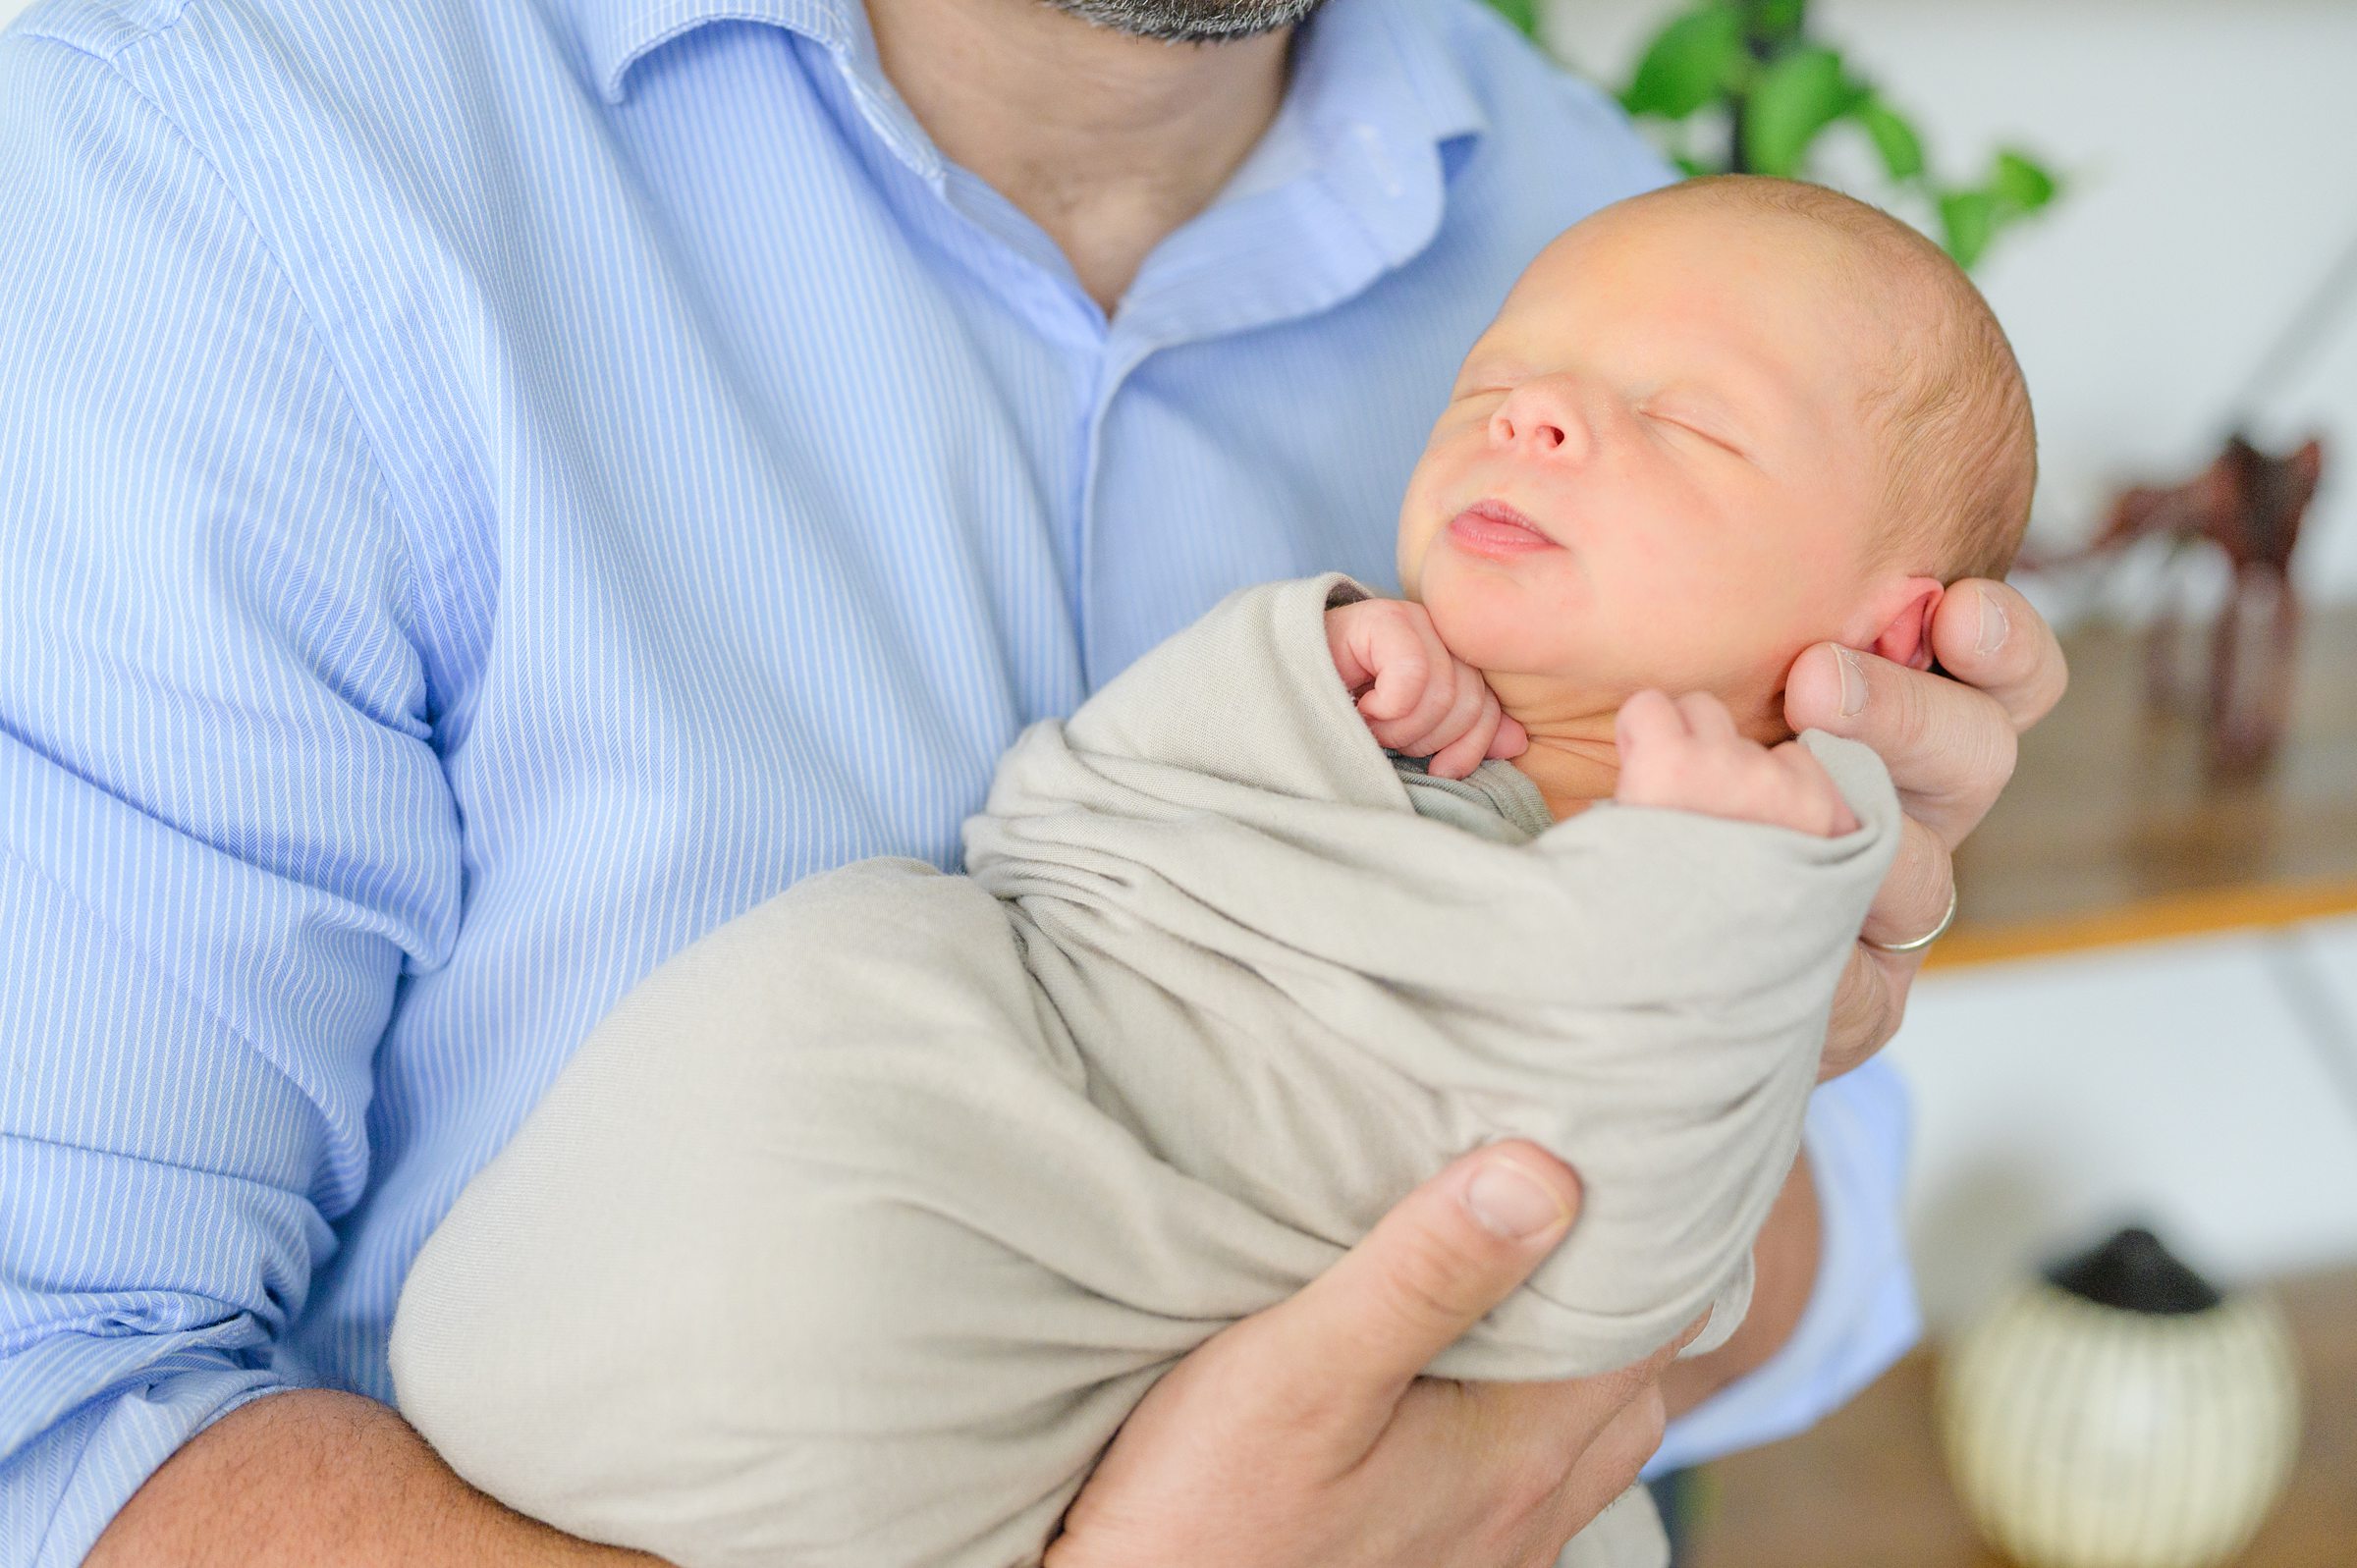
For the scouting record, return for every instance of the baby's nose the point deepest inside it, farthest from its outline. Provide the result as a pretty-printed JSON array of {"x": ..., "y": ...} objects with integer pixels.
[
  {"x": 1541, "y": 419},
  {"x": 1541, "y": 432}
]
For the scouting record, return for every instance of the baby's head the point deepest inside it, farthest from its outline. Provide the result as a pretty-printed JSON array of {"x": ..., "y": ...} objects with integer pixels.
[{"x": 1711, "y": 426}]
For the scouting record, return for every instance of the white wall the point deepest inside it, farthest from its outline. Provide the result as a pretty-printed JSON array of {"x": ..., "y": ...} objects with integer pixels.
[
  {"x": 2208, "y": 1086},
  {"x": 2211, "y": 147}
]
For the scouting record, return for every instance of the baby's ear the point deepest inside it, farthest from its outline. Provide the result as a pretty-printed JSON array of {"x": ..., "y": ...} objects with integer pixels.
[{"x": 1906, "y": 638}]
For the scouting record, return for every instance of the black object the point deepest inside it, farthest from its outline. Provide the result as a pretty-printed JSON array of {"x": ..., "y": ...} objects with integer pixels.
[{"x": 2134, "y": 1272}]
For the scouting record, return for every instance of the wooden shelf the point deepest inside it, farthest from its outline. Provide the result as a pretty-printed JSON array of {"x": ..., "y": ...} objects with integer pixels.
[
  {"x": 1868, "y": 1489},
  {"x": 2114, "y": 829}
]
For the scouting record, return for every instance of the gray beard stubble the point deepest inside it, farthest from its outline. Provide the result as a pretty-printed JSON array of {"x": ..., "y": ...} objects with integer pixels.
[{"x": 1190, "y": 21}]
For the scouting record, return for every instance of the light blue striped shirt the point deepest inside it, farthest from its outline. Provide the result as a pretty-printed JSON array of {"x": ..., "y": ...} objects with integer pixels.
[{"x": 490, "y": 489}]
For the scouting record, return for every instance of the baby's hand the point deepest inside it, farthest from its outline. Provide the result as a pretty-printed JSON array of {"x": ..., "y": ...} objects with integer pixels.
[
  {"x": 1415, "y": 695},
  {"x": 1688, "y": 755}
]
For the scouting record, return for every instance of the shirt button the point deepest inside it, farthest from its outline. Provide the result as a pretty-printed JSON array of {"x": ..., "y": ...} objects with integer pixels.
[{"x": 1371, "y": 140}]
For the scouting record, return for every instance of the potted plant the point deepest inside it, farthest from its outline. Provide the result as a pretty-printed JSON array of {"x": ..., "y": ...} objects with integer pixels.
[{"x": 1744, "y": 86}]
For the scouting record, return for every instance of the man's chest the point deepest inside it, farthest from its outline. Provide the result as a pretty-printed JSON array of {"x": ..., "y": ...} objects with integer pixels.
[{"x": 810, "y": 494}]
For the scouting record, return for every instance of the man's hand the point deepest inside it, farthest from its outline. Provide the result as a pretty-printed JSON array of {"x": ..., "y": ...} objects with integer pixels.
[
  {"x": 1949, "y": 744},
  {"x": 1686, "y": 754},
  {"x": 1303, "y": 1437},
  {"x": 1416, "y": 697}
]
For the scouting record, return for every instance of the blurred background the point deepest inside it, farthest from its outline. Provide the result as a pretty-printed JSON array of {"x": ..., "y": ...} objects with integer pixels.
[{"x": 2147, "y": 1014}]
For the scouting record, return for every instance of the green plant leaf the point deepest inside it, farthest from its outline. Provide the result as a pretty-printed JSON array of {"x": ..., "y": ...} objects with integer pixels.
[
  {"x": 1776, "y": 20},
  {"x": 1796, "y": 96},
  {"x": 1969, "y": 217},
  {"x": 1523, "y": 14},
  {"x": 1690, "y": 63},
  {"x": 1693, "y": 168},
  {"x": 2019, "y": 183},
  {"x": 1894, "y": 138}
]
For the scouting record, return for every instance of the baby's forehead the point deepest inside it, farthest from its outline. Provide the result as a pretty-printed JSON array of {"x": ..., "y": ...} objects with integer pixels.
[
  {"x": 1688, "y": 280},
  {"x": 1843, "y": 294},
  {"x": 1719, "y": 246}
]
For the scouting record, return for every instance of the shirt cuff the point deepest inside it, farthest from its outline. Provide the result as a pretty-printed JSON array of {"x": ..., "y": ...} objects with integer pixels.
[{"x": 1861, "y": 1315}]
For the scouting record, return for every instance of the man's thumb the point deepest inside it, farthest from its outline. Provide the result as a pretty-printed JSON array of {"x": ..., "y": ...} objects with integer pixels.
[{"x": 1429, "y": 1270}]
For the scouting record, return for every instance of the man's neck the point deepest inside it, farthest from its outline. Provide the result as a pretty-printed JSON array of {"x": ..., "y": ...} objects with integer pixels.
[{"x": 1107, "y": 141}]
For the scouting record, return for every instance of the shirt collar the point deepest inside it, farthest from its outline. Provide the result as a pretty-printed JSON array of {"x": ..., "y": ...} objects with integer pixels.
[
  {"x": 1379, "y": 91},
  {"x": 619, "y": 34},
  {"x": 1404, "y": 38},
  {"x": 1350, "y": 183},
  {"x": 1437, "y": 104}
]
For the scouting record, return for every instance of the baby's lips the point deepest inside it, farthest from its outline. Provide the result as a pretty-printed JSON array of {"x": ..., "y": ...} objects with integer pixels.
[{"x": 1501, "y": 514}]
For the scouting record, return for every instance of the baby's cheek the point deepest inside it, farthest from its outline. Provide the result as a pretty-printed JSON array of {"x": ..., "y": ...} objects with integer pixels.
[
  {"x": 1420, "y": 524},
  {"x": 1409, "y": 560}
]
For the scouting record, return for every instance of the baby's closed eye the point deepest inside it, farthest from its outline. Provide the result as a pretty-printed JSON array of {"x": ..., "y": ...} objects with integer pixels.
[{"x": 1700, "y": 426}]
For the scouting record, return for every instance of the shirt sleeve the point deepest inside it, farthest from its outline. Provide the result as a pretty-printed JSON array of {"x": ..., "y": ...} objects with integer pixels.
[
  {"x": 1861, "y": 1316},
  {"x": 224, "y": 829}
]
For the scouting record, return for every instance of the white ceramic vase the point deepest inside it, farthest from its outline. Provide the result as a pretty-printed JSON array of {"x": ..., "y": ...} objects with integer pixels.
[{"x": 2121, "y": 1414}]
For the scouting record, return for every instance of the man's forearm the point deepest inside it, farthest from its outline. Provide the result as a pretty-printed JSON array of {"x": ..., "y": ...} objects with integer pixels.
[
  {"x": 326, "y": 1480},
  {"x": 321, "y": 1479},
  {"x": 1785, "y": 1272}
]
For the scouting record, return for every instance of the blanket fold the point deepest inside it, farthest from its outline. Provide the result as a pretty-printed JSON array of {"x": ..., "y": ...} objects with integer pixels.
[{"x": 855, "y": 1229}]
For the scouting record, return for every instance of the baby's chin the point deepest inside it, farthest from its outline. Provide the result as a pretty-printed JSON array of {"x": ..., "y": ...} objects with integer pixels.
[
  {"x": 1501, "y": 638},
  {"x": 1495, "y": 620}
]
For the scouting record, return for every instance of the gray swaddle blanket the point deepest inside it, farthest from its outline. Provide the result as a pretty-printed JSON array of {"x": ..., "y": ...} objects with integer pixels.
[{"x": 854, "y": 1232}]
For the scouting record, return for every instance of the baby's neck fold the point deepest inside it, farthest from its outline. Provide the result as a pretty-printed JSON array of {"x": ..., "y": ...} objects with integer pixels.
[
  {"x": 1573, "y": 756},
  {"x": 1575, "y": 763}
]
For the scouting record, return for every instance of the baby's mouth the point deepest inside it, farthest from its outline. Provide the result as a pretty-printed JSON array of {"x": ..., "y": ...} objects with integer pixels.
[{"x": 1493, "y": 528}]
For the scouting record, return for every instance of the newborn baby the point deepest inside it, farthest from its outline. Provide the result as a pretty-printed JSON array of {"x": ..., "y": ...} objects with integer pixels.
[
  {"x": 855, "y": 1231},
  {"x": 1712, "y": 426}
]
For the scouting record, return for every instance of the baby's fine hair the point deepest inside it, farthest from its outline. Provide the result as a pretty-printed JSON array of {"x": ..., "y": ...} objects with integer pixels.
[{"x": 1960, "y": 449}]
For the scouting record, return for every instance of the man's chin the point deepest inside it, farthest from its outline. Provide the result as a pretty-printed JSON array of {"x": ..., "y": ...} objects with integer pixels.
[{"x": 1190, "y": 21}]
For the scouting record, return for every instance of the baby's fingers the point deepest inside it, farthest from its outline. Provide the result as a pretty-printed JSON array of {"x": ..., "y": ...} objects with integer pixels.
[
  {"x": 1402, "y": 672},
  {"x": 1458, "y": 757},
  {"x": 1814, "y": 800},
  {"x": 1442, "y": 692},
  {"x": 1469, "y": 697},
  {"x": 1405, "y": 730},
  {"x": 1707, "y": 718},
  {"x": 1648, "y": 723}
]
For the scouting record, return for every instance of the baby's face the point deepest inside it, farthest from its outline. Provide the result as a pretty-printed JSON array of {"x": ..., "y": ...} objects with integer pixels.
[{"x": 1653, "y": 470}]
